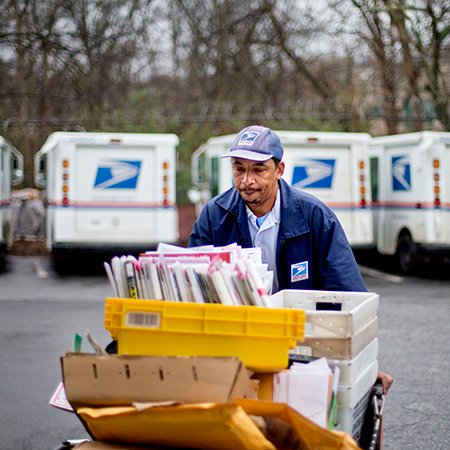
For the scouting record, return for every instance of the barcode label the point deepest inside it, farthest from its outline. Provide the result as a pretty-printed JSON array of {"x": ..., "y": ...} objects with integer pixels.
[{"x": 146, "y": 320}]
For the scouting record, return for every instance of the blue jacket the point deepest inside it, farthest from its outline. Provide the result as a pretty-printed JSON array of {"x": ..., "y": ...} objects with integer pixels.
[{"x": 312, "y": 249}]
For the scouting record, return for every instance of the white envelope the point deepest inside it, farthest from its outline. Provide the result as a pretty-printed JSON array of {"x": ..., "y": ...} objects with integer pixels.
[{"x": 306, "y": 388}]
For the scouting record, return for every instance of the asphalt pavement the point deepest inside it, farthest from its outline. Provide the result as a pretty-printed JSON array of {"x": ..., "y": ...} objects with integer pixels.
[{"x": 40, "y": 312}]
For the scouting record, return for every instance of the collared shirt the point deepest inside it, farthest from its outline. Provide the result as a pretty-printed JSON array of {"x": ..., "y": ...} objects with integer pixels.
[{"x": 265, "y": 236}]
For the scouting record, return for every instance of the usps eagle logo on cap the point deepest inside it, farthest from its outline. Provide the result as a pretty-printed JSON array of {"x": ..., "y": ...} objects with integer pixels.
[{"x": 248, "y": 138}]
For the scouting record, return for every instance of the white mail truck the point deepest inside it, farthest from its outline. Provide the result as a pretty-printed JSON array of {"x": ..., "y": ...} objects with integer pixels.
[
  {"x": 107, "y": 193},
  {"x": 411, "y": 195},
  {"x": 333, "y": 166},
  {"x": 11, "y": 174}
]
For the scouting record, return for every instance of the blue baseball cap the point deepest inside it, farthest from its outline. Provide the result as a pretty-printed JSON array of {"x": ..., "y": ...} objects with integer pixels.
[{"x": 256, "y": 143}]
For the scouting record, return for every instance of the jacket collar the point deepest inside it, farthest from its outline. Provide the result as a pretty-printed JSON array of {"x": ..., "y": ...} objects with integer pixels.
[
  {"x": 232, "y": 202},
  {"x": 293, "y": 222}
]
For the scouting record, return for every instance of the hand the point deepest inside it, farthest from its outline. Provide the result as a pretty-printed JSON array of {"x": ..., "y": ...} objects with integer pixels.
[{"x": 386, "y": 381}]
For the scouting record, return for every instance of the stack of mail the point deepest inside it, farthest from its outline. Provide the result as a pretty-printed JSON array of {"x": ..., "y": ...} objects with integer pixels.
[{"x": 229, "y": 275}]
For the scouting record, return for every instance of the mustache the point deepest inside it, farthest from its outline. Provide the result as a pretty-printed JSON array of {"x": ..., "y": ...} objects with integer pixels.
[{"x": 246, "y": 189}]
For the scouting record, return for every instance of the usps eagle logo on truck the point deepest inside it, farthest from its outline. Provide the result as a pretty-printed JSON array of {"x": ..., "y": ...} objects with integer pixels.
[
  {"x": 117, "y": 174},
  {"x": 401, "y": 173},
  {"x": 313, "y": 173}
]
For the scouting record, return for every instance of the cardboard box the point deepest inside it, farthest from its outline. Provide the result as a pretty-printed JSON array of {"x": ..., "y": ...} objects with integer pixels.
[
  {"x": 135, "y": 400},
  {"x": 120, "y": 380},
  {"x": 265, "y": 385},
  {"x": 116, "y": 398}
]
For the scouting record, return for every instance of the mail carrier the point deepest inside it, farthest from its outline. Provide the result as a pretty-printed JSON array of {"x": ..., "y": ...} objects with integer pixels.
[
  {"x": 332, "y": 166},
  {"x": 107, "y": 192}
]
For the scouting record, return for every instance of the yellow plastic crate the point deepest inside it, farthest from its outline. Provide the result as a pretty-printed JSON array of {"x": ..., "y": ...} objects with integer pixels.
[{"x": 260, "y": 337}]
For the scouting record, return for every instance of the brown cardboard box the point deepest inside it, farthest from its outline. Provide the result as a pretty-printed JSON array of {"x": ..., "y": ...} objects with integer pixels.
[
  {"x": 121, "y": 399},
  {"x": 219, "y": 409},
  {"x": 265, "y": 385},
  {"x": 93, "y": 380}
]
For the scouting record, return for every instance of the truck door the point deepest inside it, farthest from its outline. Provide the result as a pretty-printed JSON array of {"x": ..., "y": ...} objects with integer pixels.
[
  {"x": 115, "y": 191},
  {"x": 325, "y": 173}
]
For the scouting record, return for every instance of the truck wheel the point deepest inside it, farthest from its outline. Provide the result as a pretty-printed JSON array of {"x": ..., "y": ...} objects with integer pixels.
[
  {"x": 406, "y": 255},
  {"x": 61, "y": 263}
]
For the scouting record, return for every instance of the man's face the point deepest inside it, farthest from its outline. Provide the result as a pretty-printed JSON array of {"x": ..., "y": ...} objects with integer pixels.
[{"x": 257, "y": 182}]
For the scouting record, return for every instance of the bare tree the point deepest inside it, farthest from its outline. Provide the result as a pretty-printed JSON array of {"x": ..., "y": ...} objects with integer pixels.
[
  {"x": 102, "y": 45},
  {"x": 222, "y": 59},
  {"x": 408, "y": 39},
  {"x": 72, "y": 62},
  {"x": 428, "y": 31},
  {"x": 28, "y": 34},
  {"x": 375, "y": 31},
  {"x": 411, "y": 69}
]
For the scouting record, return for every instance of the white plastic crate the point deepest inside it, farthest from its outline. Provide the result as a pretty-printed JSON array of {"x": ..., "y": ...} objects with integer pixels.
[
  {"x": 352, "y": 419},
  {"x": 342, "y": 348},
  {"x": 357, "y": 310},
  {"x": 351, "y": 369},
  {"x": 352, "y": 401}
]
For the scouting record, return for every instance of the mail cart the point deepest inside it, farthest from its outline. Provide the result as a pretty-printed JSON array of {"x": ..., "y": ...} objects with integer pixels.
[{"x": 338, "y": 326}]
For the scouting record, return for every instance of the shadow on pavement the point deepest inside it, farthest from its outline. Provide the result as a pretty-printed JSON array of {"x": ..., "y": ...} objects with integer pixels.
[{"x": 434, "y": 269}]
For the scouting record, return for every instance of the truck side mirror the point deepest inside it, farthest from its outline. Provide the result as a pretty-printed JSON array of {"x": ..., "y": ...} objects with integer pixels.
[{"x": 16, "y": 176}]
